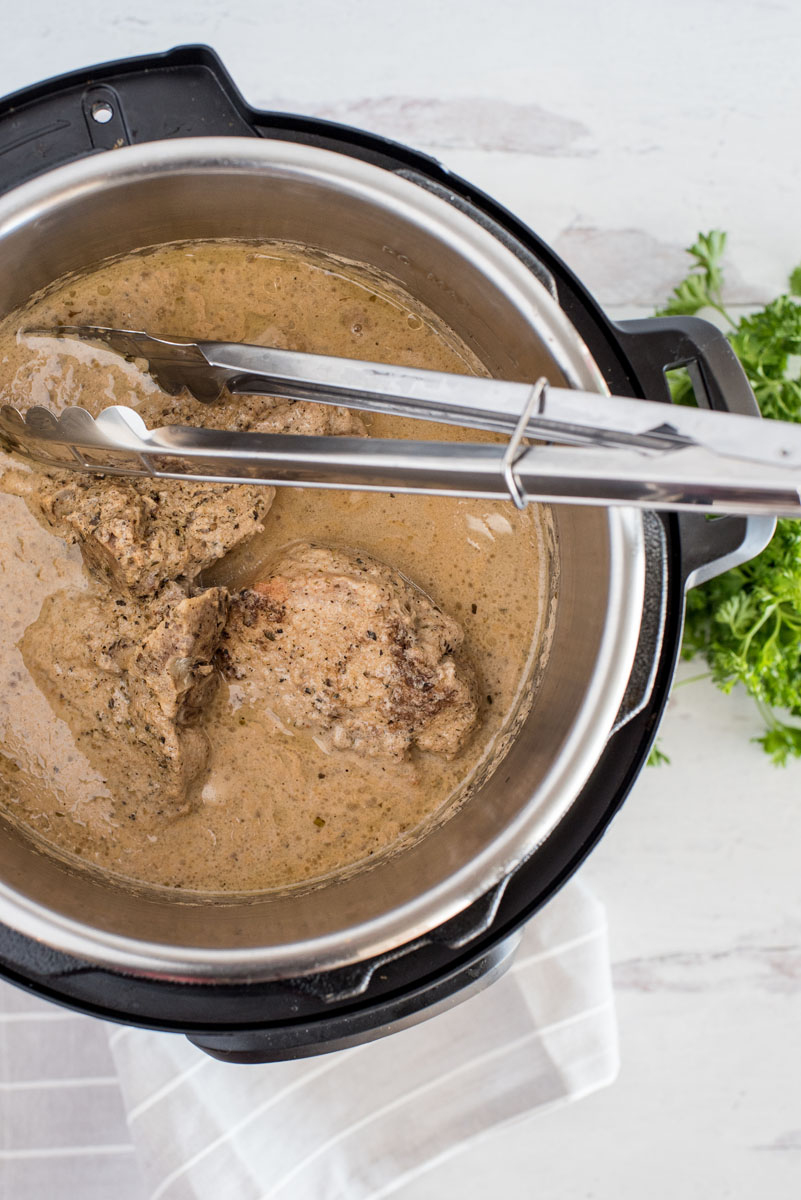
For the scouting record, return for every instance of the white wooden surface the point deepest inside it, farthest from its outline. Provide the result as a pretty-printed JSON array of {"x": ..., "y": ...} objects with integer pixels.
[{"x": 617, "y": 131}]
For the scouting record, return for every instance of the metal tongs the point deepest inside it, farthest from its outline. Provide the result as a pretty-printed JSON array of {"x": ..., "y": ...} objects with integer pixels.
[{"x": 615, "y": 450}]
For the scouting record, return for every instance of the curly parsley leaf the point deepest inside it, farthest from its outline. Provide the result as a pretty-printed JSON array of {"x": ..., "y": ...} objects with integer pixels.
[
  {"x": 703, "y": 286},
  {"x": 747, "y": 622},
  {"x": 657, "y": 757},
  {"x": 767, "y": 343}
]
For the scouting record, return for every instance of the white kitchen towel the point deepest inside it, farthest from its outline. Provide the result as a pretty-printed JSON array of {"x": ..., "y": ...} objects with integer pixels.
[
  {"x": 358, "y": 1124},
  {"x": 63, "y": 1129}
]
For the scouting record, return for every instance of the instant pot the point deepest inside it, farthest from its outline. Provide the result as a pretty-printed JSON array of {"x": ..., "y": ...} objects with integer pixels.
[{"x": 155, "y": 149}]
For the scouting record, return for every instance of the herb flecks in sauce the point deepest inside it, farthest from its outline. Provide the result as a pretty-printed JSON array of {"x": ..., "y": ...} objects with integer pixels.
[{"x": 274, "y": 807}]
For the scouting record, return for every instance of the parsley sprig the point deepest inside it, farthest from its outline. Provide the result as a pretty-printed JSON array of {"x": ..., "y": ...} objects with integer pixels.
[
  {"x": 747, "y": 622},
  {"x": 703, "y": 286}
]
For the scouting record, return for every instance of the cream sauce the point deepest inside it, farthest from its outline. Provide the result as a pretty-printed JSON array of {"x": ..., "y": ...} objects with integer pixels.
[{"x": 275, "y": 809}]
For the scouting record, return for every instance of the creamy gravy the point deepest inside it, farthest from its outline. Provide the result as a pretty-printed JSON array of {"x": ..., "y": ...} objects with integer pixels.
[{"x": 275, "y": 809}]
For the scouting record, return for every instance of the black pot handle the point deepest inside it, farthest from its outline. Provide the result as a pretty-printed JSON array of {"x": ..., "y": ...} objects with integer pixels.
[
  {"x": 328, "y": 1032},
  {"x": 184, "y": 92},
  {"x": 709, "y": 546}
]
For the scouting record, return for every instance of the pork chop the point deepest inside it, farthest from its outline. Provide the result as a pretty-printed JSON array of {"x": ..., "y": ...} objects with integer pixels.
[{"x": 344, "y": 645}]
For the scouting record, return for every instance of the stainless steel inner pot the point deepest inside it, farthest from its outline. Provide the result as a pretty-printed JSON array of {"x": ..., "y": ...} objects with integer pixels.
[{"x": 72, "y": 218}]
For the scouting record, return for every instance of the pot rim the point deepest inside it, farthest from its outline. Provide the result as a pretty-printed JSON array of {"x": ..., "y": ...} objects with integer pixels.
[{"x": 31, "y": 203}]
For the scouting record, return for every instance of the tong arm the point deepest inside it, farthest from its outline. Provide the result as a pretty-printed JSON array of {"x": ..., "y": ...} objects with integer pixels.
[
  {"x": 564, "y": 415},
  {"x": 119, "y": 443}
]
